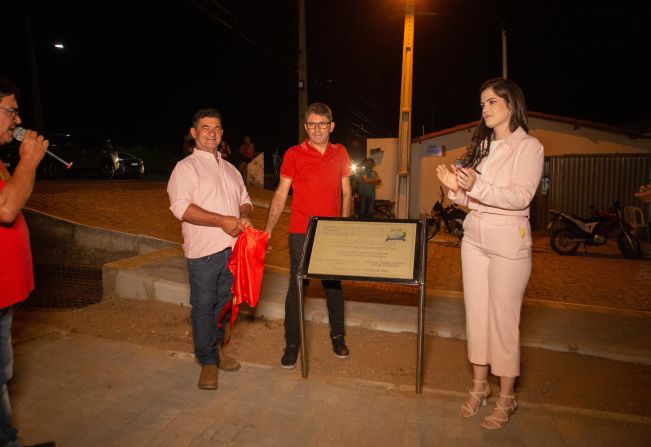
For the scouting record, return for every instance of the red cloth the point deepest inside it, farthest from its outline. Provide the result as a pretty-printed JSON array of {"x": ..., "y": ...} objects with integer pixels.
[
  {"x": 247, "y": 265},
  {"x": 316, "y": 182},
  {"x": 16, "y": 274}
]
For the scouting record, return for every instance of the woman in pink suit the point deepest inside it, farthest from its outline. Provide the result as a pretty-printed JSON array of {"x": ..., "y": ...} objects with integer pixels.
[{"x": 496, "y": 180}]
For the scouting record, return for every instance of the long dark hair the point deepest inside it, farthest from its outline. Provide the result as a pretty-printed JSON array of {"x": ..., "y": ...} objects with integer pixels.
[{"x": 512, "y": 94}]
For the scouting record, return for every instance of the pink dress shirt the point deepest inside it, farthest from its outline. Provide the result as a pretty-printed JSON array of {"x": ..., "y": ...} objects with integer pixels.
[
  {"x": 509, "y": 177},
  {"x": 213, "y": 184}
]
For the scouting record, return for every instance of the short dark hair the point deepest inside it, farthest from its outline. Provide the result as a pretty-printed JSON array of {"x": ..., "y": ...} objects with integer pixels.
[
  {"x": 205, "y": 113},
  {"x": 8, "y": 88},
  {"x": 319, "y": 109}
]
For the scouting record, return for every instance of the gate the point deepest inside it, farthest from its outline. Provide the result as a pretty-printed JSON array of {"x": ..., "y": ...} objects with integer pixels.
[{"x": 574, "y": 182}]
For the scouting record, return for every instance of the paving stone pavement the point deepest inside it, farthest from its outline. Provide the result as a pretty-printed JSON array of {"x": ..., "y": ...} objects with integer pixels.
[{"x": 85, "y": 391}]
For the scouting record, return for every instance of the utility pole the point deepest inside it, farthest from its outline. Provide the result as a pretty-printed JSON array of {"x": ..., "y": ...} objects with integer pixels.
[
  {"x": 504, "y": 61},
  {"x": 36, "y": 91},
  {"x": 404, "y": 132},
  {"x": 302, "y": 70}
]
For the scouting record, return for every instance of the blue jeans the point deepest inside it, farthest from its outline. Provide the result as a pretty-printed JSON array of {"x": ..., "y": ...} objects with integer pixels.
[
  {"x": 8, "y": 436},
  {"x": 333, "y": 292},
  {"x": 210, "y": 290}
]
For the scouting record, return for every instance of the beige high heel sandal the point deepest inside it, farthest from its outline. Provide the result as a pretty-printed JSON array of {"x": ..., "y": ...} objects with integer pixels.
[
  {"x": 493, "y": 422},
  {"x": 480, "y": 397}
]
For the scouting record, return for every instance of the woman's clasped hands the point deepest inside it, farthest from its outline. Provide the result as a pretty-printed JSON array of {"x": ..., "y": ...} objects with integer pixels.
[{"x": 456, "y": 178}]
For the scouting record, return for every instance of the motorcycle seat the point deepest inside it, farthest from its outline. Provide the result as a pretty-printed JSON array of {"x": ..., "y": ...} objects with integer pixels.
[{"x": 584, "y": 219}]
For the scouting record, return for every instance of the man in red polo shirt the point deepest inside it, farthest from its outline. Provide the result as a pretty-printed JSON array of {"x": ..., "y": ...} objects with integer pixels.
[
  {"x": 318, "y": 172},
  {"x": 16, "y": 277}
]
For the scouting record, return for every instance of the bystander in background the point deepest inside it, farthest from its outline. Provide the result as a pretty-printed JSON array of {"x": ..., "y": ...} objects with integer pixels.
[
  {"x": 246, "y": 156},
  {"x": 368, "y": 180},
  {"x": 225, "y": 150},
  {"x": 277, "y": 160},
  {"x": 644, "y": 194}
]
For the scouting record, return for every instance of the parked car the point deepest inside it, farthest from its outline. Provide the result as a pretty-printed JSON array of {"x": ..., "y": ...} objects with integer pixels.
[
  {"x": 129, "y": 165},
  {"x": 89, "y": 155}
]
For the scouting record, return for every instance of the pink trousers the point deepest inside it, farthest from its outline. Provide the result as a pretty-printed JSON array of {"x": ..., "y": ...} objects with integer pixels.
[{"x": 496, "y": 265}]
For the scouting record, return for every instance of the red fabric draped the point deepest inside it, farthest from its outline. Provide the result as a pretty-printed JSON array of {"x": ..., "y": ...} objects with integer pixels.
[{"x": 247, "y": 265}]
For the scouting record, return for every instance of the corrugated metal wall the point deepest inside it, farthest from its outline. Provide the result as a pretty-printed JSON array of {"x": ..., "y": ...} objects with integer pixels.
[{"x": 574, "y": 182}]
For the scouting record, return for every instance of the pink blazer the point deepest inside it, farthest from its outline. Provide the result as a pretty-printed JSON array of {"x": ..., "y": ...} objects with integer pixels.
[{"x": 509, "y": 177}]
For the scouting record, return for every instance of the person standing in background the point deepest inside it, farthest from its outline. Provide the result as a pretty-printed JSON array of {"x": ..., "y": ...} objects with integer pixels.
[
  {"x": 368, "y": 180},
  {"x": 225, "y": 150},
  {"x": 644, "y": 194},
  {"x": 277, "y": 160},
  {"x": 247, "y": 149}
]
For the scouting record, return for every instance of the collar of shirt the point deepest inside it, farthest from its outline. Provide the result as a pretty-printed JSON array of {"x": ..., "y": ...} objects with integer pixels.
[
  {"x": 515, "y": 138},
  {"x": 307, "y": 146},
  {"x": 215, "y": 156}
]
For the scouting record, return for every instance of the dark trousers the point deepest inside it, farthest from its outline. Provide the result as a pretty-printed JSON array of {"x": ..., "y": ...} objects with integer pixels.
[
  {"x": 366, "y": 206},
  {"x": 333, "y": 292}
]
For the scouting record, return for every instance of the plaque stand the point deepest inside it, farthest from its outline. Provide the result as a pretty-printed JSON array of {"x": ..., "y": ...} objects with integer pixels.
[{"x": 417, "y": 278}]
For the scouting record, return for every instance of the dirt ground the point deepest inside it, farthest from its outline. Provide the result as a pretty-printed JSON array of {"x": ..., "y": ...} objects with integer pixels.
[{"x": 549, "y": 378}]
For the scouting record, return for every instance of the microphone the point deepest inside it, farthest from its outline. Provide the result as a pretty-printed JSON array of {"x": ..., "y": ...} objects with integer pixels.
[{"x": 19, "y": 134}]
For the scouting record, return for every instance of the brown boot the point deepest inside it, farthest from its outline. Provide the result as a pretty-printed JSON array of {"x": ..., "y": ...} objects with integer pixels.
[
  {"x": 227, "y": 363},
  {"x": 209, "y": 378}
]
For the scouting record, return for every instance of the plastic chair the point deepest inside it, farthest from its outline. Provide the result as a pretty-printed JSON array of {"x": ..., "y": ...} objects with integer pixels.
[{"x": 635, "y": 217}]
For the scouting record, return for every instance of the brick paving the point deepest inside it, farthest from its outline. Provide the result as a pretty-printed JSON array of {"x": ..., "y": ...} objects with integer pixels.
[
  {"x": 602, "y": 278},
  {"x": 85, "y": 391},
  {"x": 601, "y": 282}
]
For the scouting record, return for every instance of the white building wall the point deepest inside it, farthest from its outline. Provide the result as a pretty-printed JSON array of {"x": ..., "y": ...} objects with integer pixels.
[
  {"x": 557, "y": 138},
  {"x": 255, "y": 171},
  {"x": 561, "y": 139}
]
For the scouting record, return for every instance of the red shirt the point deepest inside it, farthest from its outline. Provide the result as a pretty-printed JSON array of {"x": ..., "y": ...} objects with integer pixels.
[
  {"x": 247, "y": 150},
  {"x": 316, "y": 182},
  {"x": 16, "y": 274}
]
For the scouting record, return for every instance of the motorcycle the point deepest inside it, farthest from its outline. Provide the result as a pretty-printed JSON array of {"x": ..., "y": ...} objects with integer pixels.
[
  {"x": 451, "y": 216},
  {"x": 381, "y": 208},
  {"x": 569, "y": 231}
]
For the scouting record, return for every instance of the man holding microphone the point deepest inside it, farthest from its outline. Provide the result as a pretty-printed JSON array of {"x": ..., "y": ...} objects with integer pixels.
[{"x": 16, "y": 274}]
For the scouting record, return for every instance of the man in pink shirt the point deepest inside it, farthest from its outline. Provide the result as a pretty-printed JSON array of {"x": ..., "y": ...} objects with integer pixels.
[
  {"x": 209, "y": 197},
  {"x": 319, "y": 174}
]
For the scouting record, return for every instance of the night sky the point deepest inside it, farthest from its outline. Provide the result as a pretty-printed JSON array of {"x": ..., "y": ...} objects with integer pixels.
[{"x": 136, "y": 71}]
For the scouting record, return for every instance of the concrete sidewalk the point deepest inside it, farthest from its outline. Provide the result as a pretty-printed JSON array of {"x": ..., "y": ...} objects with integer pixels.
[
  {"x": 617, "y": 336},
  {"x": 84, "y": 391},
  {"x": 590, "y": 330}
]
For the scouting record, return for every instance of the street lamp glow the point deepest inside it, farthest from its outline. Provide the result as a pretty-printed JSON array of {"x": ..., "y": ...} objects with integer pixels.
[{"x": 58, "y": 45}]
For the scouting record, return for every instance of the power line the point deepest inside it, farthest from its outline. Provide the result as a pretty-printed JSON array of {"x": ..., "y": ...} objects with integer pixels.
[{"x": 245, "y": 32}]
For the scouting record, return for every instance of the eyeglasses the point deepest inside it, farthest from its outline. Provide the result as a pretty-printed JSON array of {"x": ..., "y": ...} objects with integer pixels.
[
  {"x": 216, "y": 129},
  {"x": 12, "y": 111},
  {"x": 322, "y": 125}
]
